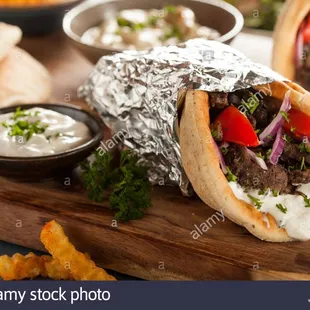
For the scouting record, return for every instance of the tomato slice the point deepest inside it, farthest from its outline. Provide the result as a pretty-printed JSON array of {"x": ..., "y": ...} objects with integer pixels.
[
  {"x": 306, "y": 34},
  {"x": 299, "y": 123},
  {"x": 237, "y": 128}
]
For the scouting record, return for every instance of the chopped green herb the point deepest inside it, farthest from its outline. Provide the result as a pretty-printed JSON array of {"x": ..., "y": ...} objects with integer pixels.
[
  {"x": 291, "y": 168},
  {"x": 260, "y": 155},
  {"x": 285, "y": 115},
  {"x": 268, "y": 154},
  {"x": 281, "y": 208},
  {"x": 303, "y": 165},
  {"x": 258, "y": 204},
  {"x": 287, "y": 138},
  {"x": 257, "y": 131},
  {"x": 230, "y": 176},
  {"x": 19, "y": 113},
  {"x": 170, "y": 8},
  {"x": 262, "y": 191},
  {"x": 152, "y": 21},
  {"x": 26, "y": 129},
  {"x": 275, "y": 193},
  {"x": 133, "y": 26},
  {"x": 22, "y": 127},
  {"x": 122, "y": 22},
  {"x": 214, "y": 133},
  {"x": 252, "y": 103},
  {"x": 224, "y": 150},
  {"x": 303, "y": 147},
  {"x": 137, "y": 26},
  {"x": 173, "y": 32},
  {"x": 306, "y": 199},
  {"x": 293, "y": 129}
]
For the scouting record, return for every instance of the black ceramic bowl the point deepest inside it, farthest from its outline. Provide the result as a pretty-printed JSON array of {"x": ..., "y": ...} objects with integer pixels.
[
  {"x": 37, "y": 20},
  {"x": 58, "y": 164}
]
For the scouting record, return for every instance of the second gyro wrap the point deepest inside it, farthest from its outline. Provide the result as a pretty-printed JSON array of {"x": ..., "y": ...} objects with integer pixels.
[{"x": 136, "y": 94}]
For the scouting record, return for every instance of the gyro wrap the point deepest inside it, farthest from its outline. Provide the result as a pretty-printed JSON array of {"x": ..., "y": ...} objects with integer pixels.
[{"x": 136, "y": 95}]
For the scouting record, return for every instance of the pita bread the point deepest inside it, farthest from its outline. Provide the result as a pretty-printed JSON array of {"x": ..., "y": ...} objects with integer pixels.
[
  {"x": 23, "y": 79},
  {"x": 201, "y": 162},
  {"x": 285, "y": 34},
  {"x": 9, "y": 37}
]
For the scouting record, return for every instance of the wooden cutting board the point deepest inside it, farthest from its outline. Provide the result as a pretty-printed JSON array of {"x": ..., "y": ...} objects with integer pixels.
[{"x": 164, "y": 244}]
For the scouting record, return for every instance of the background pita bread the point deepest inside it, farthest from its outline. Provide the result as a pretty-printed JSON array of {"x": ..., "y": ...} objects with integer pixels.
[
  {"x": 23, "y": 79},
  {"x": 285, "y": 34},
  {"x": 9, "y": 37},
  {"x": 201, "y": 163}
]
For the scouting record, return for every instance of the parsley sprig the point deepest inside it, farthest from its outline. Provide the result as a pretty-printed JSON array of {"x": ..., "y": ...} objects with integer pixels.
[{"x": 130, "y": 189}]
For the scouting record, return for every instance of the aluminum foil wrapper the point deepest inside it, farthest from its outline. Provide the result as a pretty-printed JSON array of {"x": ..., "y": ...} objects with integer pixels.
[{"x": 136, "y": 93}]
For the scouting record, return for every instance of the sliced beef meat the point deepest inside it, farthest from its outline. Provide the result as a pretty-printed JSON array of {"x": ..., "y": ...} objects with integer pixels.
[
  {"x": 252, "y": 119},
  {"x": 299, "y": 177},
  {"x": 234, "y": 99},
  {"x": 261, "y": 116},
  {"x": 251, "y": 175},
  {"x": 218, "y": 100},
  {"x": 272, "y": 105},
  {"x": 292, "y": 152},
  {"x": 217, "y": 131}
]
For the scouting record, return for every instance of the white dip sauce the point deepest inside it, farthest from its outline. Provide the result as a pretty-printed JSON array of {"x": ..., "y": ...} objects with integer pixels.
[
  {"x": 296, "y": 220},
  {"x": 61, "y": 133},
  {"x": 143, "y": 29}
]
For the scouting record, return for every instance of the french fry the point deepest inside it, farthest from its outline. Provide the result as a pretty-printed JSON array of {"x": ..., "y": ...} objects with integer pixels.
[
  {"x": 59, "y": 246},
  {"x": 54, "y": 270},
  {"x": 19, "y": 267}
]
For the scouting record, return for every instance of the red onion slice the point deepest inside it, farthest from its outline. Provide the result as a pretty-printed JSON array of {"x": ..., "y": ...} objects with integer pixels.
[
  {"x": 299, "y": 46},
  {"x": 221, "y": 158},
  {"x": 258, "y": 160},
  {"x": 277, "y": 147},
  {"x": 272, "y": 129}
]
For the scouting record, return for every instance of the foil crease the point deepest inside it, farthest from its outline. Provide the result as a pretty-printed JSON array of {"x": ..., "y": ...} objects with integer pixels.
[{"x": 136, "y": 94}]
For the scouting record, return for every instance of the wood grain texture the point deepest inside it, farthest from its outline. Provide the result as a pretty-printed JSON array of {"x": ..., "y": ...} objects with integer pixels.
[{"x": 160, "y": 246}]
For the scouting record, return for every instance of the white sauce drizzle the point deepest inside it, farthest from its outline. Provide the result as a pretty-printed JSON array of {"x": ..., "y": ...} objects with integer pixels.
[
  {"x": 296, "y": 220},
  {"x": 62, "y": 134},
  {"x": 266, "y": 220}
]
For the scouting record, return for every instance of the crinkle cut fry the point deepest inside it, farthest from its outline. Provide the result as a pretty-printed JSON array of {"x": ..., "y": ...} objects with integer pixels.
[
  {"x": 59, "y": 246},
  {"x": 54, "y": 270},
  {"x": 19, "y": 267}
]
